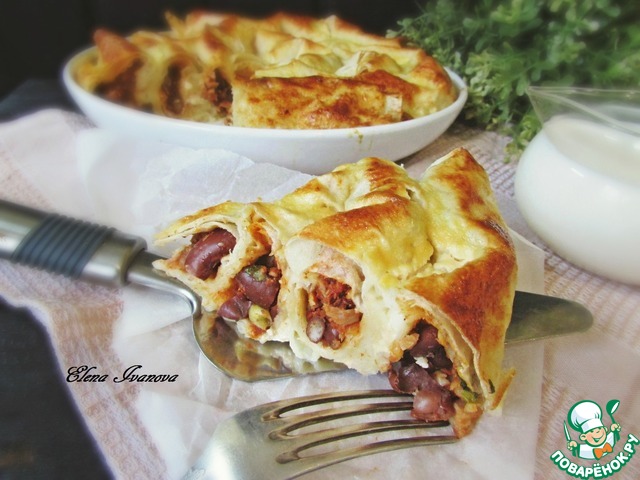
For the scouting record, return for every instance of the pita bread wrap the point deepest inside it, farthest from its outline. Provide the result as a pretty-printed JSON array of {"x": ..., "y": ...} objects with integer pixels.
[
  {"x": 349, "y": 267},
  {"x": 259, "y": 230},
  {"x": 467, "y": 291},
  {"x": 213, "y": 281},
  {"x": 234, "y": 248}
]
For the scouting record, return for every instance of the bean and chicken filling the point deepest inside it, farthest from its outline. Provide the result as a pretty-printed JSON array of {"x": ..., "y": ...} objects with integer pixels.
[
  {"x": 256, "y": 294},
  {"x": 256, "y": 287},
  {"x": 122, "y": 89},
  {"x": 331, "y": 312},
  {"x": 426, "y": 372},
  {"x": 218, "y": 91}
]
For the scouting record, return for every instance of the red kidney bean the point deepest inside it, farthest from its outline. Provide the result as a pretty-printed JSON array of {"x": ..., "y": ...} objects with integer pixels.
[
  {"x": 236, "y": 308},
  {"x": 258, "y": 286},
  {"x": 432, "y": 405},
  {"x": 407, "y": 376},
  {"x": 205, "y": 254},
  {"x": 432, "y": 401},
  {"x": 426, "y": 403},
  {"x": 331, "y": 337},
  {"x": 428, "y": 347},
  {"x": 427, "y": 340}
]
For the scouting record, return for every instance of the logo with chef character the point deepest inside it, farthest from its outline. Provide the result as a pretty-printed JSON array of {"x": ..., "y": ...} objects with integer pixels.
[
  {"x": 593, "y": 440},
  {"x": 586, "y": 418}
]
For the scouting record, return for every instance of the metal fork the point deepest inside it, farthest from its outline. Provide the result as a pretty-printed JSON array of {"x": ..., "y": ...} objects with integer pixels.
[{"x": 270, "y": 441}]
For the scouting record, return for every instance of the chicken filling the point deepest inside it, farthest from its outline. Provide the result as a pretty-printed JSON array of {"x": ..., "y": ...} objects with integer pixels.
[{"x": 331, "y": 312}]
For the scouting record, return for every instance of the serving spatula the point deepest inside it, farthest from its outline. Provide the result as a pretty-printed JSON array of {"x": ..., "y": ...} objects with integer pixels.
[{"x": 99, "y": 254}]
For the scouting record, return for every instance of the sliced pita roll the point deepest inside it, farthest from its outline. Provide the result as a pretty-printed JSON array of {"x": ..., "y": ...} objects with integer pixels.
[
  {"x": 461, "y": 305},
  {"x": 234, "y": 259},
  {"x": 223, "y": 239},
  {"x": 419, "y": 286},
  {"x": 346, "y": 271},
  {"x": 371, "y": 268}
]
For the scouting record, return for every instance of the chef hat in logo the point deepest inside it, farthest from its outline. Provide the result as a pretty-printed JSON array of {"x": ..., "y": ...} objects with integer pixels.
[{"x": 585, "y": 416}]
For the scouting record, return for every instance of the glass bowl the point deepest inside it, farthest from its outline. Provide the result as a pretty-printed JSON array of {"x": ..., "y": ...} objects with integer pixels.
[{"x": 577, "y": 184}]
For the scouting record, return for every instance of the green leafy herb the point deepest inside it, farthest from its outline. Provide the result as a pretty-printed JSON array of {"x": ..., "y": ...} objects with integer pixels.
[
  {"x": 501, "y": 47},
  {"x": 257, "y": 272},
  {"x": 467, "y": 394}
]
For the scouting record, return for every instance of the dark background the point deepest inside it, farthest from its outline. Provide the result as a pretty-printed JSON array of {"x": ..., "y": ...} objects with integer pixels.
[
  {"x": 42, "y": 436},
  {"x": 36, "y": 37}
]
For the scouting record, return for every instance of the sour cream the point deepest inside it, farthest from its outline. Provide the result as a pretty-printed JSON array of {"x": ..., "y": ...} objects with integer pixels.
[
  {"x": 608, "y": 151},
  {"x": 578, "y": 187}
]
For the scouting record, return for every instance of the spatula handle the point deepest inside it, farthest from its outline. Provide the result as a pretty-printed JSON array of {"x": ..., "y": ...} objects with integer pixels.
[{"x": 68, "y": 246}]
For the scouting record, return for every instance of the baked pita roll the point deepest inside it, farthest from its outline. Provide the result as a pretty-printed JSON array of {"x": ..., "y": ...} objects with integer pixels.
[
  {"x": 346, "y": 271},
  {"x": 153, "y": 72},
  {"x": 223, "y": 239},
  {"x": 282, "y": 71},
  {"x": 461, "y": 306},
  {"x": 234, "y": 259},
  {"x": 419, "y": 285}
]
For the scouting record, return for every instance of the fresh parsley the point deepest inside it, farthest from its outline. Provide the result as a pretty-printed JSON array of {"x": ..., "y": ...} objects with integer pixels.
[{"x": 501, "y": 47}]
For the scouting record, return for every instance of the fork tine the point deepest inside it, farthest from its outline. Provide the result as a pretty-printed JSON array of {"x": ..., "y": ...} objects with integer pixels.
[
  {"x": 306, "y": 441},
  {"x": 264, "y": 442},
  {"x": 300, "y": 420},
  {"x": 279, "y": 407},
  {"x": 310, "y": 464},
  {"x": 298, "y": 444}
]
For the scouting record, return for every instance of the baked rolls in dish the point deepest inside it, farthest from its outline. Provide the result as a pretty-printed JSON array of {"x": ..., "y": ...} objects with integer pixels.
[
  {"x": 414, "y": 278},
  {"x": 284, "y": 71}
]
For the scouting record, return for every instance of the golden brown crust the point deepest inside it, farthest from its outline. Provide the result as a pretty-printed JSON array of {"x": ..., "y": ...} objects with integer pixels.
[
  {"x": 311, "y": 102},
  {"x": 284, "y": 71},
  {"x": 476, "y": 295}
]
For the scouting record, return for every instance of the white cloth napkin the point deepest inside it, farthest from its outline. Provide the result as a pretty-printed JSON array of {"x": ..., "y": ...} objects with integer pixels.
[{"x": 55, "y": 160}]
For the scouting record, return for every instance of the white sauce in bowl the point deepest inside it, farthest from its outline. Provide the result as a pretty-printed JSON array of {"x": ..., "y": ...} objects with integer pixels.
[
  {"x": 601, "y": 148},
  {"x": 581, "y": 194}
]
